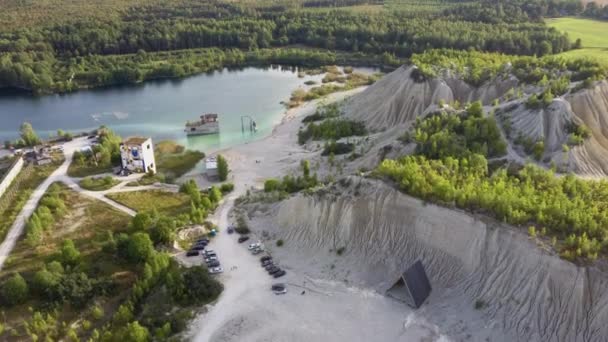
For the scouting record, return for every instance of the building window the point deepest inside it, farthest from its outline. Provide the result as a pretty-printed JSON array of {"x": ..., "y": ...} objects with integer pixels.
[{"x": 148, "y": 146}]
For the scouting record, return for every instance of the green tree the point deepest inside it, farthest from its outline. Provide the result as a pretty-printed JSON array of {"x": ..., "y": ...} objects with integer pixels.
[
  {"x": 222, "y": 168},
  {"x": 45, "y": 283},
  {"x": 139, "y": 247},
  {"x": 134, "y": 332},
  {"x": 28, "y": 135},
  {"x": 69, "y": 253},
  {"x": 14, "y": 290}
]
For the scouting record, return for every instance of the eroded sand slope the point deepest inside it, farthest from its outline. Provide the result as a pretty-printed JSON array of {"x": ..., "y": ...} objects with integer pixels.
[
  {"x": 530, "y": 294},
  {"x": 397, "y": 100}
]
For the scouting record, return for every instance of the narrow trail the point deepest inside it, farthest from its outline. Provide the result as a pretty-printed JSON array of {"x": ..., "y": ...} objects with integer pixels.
[{"x": 32, "y": 203}]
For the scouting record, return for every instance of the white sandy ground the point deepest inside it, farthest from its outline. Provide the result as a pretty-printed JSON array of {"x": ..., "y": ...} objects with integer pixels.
[{"x": 328, "y": 311}]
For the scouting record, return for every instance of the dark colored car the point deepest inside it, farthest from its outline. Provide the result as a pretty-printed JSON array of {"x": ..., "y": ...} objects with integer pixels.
[
  {"x": 277, "y": 287},
  {"x": 230, "y": 230},
  {"x": 267, "y": 262},
  {"x": 198, "y": 247},
  {"x": 192, "y": 253},
  {"x": 243, "y": 239},
  {"x": 273, "y": 269},
  {"x": 269, "y": 266},
  {"x": 214, "y": 263},
  {"x": 279, "y": 274},
  {"x": 205, "y": 240},
  {"x": 264, "y": 258}
]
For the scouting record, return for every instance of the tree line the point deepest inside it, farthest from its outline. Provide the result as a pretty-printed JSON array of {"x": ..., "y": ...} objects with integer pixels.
[{"x": 66, "y": 55}]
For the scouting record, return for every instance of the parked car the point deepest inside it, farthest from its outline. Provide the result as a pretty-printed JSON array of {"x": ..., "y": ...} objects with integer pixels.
[
  {"x": 279, "y": 274},
  {"x": 253, "y": 246},
  {"x": 269, "y": 267},
  {"x": 256, "y": 251},
  {"x": 273, "y": 269},
  {"x": 266, "y": 257},
  {"x": 267, "y": 262},
  {"x": 279, "y": 289},
  {"x": 211, "y": 258},
  {"x": 243, "y": 239},
  {"x": 198, "y": 247},
  {"x": 203, "y": 240},
  {"x": 191, "y": 253},
  {"x": 216, "y": 270},
  {"x": 230, "y": 230},
  {"x": 209, "y": 252},
  {"x": 214, "y": 263}
]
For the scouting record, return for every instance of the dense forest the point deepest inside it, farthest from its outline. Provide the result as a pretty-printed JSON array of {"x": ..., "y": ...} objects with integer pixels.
[{"x": 147, "y": 40}]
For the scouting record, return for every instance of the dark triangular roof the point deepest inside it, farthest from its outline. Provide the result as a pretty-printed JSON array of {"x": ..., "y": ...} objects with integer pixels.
[{"x": 418, "y": 284}]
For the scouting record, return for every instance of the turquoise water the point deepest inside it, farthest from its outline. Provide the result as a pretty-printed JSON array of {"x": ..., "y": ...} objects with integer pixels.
[{"x": 160, "y": 109}]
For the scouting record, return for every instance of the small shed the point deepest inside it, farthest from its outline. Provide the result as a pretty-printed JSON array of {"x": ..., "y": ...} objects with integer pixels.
[
  {"x": 211, "y": 168},
  {"x": 413, "y": 286}
]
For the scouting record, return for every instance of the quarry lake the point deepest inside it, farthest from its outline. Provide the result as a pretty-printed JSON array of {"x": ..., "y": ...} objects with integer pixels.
[{"x": 160, "y": 108}]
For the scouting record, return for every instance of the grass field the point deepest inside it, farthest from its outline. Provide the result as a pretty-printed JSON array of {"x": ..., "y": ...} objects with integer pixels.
[
  {"x": 173, "y": 160},
  {"x": 98, "y": 183},
  {"x": 165, "y": 202},
  {"x": 593, "y": 34}
]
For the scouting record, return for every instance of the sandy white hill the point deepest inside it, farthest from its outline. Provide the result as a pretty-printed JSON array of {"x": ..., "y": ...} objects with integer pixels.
[{"x": 526, "y": 293}]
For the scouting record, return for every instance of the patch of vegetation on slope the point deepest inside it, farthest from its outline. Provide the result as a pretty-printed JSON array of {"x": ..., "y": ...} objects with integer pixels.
[
  {"x": 442, "y": 134},
  {"x": 331, "y": 129},
  {"x": 451, "y": 168},
  {"x": 476, "y": 68},
  {"x": 567, "y": 208}
]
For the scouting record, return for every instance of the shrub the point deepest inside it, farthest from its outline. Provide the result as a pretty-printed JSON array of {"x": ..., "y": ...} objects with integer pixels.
[
  {"x": 69, "y": 254},
  {"x": 222, "y": 168},
  {"x": 226, "y": 188},
  {"x": 14, "y": 290},
  {"x": 271, "y": 185},
  {"x": 337, "y": 148},
  {"x": 45, "y": 283},
  {"x": 480, "y": 304},
  {"x": 538, "y": 150},
  {"x": 280, "y": 243},
  {"x": 332, "y": 129},
  {"x": 341, "y": 250},
  {"x": 241, "y": 225},
  {"x": 97, "y": 312},
  {"x": 137, "y": 248}
]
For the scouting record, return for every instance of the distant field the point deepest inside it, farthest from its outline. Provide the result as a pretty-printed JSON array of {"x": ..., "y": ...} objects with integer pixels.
[
  {"x": 422, "y": 6},
  {"x": 593, "y": 34}
]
